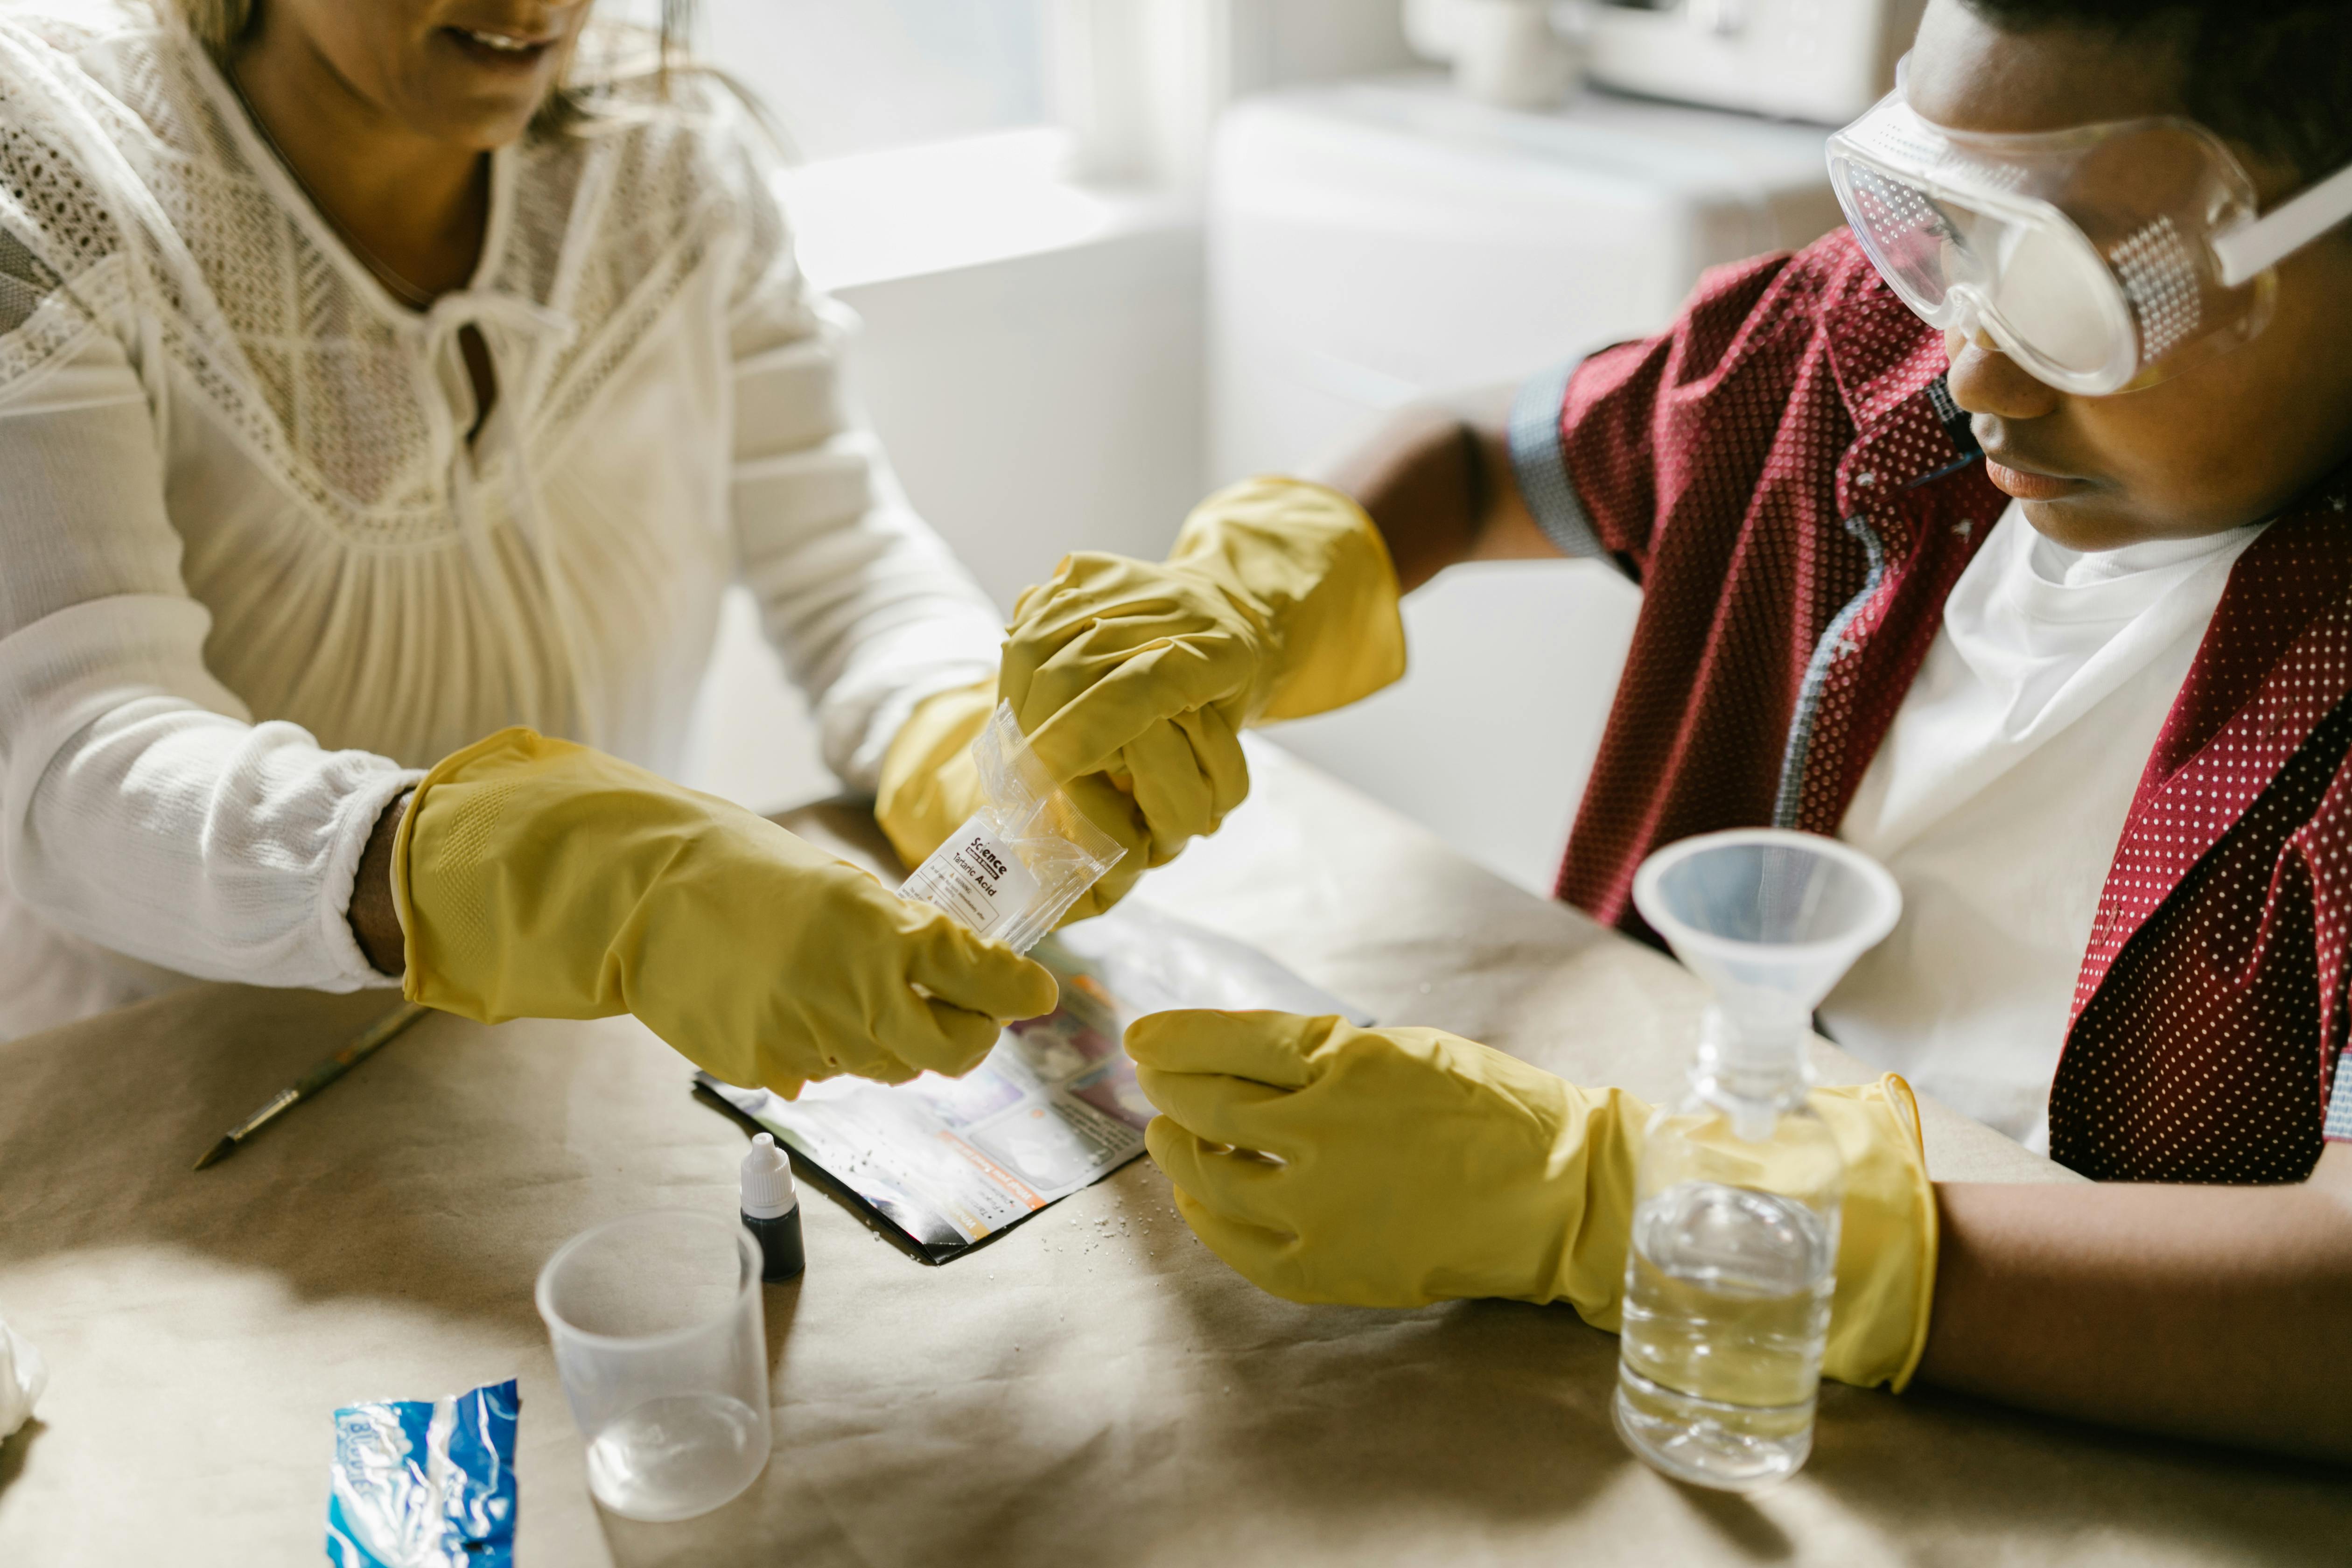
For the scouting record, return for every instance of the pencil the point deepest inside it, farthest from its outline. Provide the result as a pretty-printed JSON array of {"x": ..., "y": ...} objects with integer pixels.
[{"x": 377, "y": 1036}]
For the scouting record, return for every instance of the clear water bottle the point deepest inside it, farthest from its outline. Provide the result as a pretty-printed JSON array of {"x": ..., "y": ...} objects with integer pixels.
[{"x": 1734, "y": 1235}]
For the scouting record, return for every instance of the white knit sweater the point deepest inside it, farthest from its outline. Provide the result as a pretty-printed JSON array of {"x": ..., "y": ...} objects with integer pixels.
[{"x": 253, "y": 575}]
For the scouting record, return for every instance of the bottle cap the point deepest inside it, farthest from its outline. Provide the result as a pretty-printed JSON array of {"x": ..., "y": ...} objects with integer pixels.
[{"x": 767, "y": 1180}]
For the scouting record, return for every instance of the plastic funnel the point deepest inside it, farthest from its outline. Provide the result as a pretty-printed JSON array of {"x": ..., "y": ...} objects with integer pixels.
[{"x": 1771, "y": 920}]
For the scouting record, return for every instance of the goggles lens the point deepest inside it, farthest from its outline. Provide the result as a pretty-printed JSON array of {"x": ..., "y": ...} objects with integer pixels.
[
  {"x": 1909, "y": 237},
  {"x": 2051, "y": 289},
  {"x": 2084, "y": 253}
]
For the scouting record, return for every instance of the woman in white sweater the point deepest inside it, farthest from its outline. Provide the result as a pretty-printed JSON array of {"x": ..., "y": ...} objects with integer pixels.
[{"x": 364, "y": 390}]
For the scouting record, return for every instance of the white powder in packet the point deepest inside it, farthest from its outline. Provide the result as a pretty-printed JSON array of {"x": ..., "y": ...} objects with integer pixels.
[{"x": 1018, "y": 863}]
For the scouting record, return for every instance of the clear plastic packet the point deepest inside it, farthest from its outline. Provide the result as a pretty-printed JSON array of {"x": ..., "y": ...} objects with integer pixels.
[
  {"x": 425, "y": 1483},
  {"x": 1015, "y": 866}
]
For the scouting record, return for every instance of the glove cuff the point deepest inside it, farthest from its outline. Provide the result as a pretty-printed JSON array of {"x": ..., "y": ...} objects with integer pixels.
[
  {"x": 1309, "y": 561},
  {"x": 928, "y": 784},
  {"x": 1888, "y": 1240},
  {"x": 422, "y": 929}
]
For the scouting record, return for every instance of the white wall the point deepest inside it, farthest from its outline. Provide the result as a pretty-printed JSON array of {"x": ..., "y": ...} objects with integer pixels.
[
  {"x": 1140, "y": 82},
  {"x": 1032, "y": 402},
  {"x": 1044, "y": 405},
  {"x": 1032, "y": 355},
  {"x": 1281, "y": 43},
  {"x": 1487, "y": 739}
]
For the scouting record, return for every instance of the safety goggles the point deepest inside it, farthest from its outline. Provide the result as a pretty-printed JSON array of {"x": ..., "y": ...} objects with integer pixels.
[{"x": 2102, "y": 258}]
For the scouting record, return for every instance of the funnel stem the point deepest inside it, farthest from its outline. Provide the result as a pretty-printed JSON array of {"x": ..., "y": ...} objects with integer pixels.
[{"x": 1752, "y": 1069}]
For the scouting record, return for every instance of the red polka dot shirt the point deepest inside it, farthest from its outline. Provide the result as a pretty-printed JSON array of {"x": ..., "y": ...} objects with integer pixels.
[{"x": 1785, "y": 474}]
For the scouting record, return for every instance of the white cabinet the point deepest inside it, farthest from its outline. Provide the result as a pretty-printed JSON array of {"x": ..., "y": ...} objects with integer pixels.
[{"x": 1380, "y": 241}]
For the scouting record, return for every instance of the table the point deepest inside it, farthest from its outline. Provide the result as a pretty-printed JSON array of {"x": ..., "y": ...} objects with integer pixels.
[{"x": 1091, "y": 1387}]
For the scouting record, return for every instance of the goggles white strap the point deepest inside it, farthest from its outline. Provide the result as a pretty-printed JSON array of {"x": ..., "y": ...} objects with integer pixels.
[{"x": 2246, "y": 253}]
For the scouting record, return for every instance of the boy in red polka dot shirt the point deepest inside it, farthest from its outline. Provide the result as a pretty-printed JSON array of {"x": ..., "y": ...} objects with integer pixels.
[{"x": 2002, "y": 535}]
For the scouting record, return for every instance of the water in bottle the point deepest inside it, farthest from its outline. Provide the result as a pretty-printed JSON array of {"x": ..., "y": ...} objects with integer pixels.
[{"x": 1727, "y": 1309}]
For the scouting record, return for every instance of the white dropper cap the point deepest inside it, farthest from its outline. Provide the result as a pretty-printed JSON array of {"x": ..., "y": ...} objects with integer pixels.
[{"x": 767, "y": 1180}]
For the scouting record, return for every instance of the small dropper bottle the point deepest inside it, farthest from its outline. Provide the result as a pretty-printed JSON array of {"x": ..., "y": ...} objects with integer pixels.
[{"x": 771, "y": 1210}]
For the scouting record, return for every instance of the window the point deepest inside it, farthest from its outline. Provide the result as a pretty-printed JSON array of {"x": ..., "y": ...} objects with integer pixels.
[{"x": 855, "y": 76}]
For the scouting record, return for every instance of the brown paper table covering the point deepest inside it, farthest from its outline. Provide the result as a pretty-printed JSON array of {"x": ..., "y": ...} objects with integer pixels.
[{"x": 1093, "y": 1387}]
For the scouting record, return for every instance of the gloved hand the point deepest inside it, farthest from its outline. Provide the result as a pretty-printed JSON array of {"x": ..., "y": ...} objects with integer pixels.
[
  {"x": 930, "y": 786},
  {"x": 1279, "y": 601},
  {"x": 538, "y": 878},
  {"x": 1415, "y": 1167}
]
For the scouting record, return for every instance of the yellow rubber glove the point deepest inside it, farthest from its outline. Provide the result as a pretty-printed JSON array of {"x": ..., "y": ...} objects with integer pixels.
[
  {"x": 930, "y": 786},
  {"x": 1279, "y": 601},
  {"x": 1412, "y": 1166},
  {"x": 538, "y": 878}
]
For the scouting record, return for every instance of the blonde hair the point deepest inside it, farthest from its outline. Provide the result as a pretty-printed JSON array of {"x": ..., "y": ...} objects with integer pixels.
[{"x": 220, "y": 25}]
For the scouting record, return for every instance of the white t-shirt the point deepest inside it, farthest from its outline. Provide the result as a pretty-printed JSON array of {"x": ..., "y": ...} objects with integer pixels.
[{"x": 1997, "y": 801}]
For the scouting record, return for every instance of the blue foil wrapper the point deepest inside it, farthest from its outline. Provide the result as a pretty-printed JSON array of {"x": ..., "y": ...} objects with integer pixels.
[{"x": 425, "y": 1483}]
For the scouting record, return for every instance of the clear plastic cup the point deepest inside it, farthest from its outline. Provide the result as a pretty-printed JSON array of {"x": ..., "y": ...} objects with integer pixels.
[{"x": 660, "y": 1341}]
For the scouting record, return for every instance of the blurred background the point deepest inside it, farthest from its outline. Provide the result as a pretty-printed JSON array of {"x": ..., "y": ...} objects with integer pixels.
[{"x": 1110, "y": 254}]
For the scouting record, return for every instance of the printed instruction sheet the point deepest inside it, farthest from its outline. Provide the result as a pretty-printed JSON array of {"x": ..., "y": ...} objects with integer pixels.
[{"x": 1055, "y": 1106}]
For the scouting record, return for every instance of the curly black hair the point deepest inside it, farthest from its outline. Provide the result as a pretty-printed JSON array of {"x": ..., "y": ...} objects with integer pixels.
[{"x": 2273, "y": 74}]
